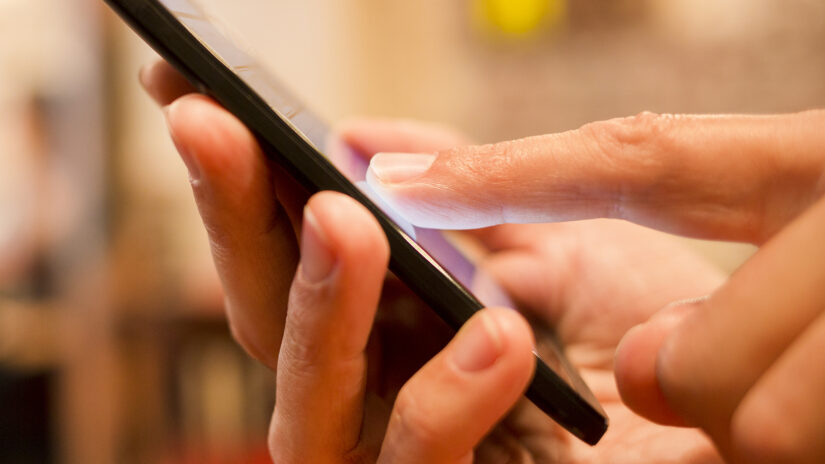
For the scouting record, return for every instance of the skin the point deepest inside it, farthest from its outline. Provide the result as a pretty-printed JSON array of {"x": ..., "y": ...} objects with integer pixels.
[{"x": 363, "y": 374}]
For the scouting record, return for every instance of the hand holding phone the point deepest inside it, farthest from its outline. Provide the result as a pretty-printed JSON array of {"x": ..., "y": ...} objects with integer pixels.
[
  {"x": 599, "y": 305},
  {"x": 324, "y": 412},
  {"x": 427, "y": 261}
]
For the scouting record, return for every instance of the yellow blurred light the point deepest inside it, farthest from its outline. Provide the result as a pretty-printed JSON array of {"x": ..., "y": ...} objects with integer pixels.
[{"x": 520, "y": 17}]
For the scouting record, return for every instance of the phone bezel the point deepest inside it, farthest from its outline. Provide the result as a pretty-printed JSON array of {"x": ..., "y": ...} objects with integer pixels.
[{"x": 412, "y": 264}]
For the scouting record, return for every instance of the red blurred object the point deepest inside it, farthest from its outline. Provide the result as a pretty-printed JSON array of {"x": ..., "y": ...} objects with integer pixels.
[{"x": 252, "y": 453}]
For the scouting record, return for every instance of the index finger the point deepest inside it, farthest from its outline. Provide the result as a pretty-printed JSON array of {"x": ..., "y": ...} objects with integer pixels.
[{"x": 720, "y": 177}]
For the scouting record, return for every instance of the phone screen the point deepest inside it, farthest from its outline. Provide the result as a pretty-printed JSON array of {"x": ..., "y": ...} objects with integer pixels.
[{"x": 440, "y": 246}]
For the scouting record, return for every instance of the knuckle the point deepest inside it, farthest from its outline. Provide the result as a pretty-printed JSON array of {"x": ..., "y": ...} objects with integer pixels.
[
  {"x": 306, "y": 331},
  {"x": 304, "y": 355},
  {"x": 300, "y": 356},
  {"x": 755, "y": 440},
  {"x": 631, "y": 142},
  {"x": 305, "y": 298},
  {"x": 628, "y": 150}
]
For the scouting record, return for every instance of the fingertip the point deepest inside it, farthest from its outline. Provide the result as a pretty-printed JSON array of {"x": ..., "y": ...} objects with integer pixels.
[
  {"x": 184, "y": 114},
  {"x": 163, "y": 83},
  {"x": 635, "y": 367},
  {"x": 355, "y": 127},
  {"x": 350, "y": 227},
  {"x": 438, "y": 190},
  {"x": 148, "y": 77},
  {"x": 220, "y": 145},
  {"x": 521, "y": 346},
  {"x": 511, "y": 337},
  {"x": 481, "y": 374},
  {"x": 190, "y": 112},
  {"x": 361, "y": 134},
  {"x": 515, "y": 330},
  {"x": 144, "y": 77}
]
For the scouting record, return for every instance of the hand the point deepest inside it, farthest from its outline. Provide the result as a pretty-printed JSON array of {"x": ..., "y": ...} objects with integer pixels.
[
  {"x": 341, "y": 396},
  {"x": 607, "y": 276},
  {"x": 743, "y": 364}
]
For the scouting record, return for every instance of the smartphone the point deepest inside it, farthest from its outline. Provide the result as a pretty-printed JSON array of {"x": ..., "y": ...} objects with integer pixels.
[{"x": 425, "y": 259}]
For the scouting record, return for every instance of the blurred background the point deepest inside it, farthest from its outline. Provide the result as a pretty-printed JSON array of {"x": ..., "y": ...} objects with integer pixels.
[{"x": 113, "y": 345}]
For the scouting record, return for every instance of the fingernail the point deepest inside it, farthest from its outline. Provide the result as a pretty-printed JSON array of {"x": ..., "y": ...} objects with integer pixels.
[
  {"x": 317, "y": 261},
  {"x": 479, "y": 343},
  {"x": 394, "y": 168},
  {"x": 169, "y": 112}
]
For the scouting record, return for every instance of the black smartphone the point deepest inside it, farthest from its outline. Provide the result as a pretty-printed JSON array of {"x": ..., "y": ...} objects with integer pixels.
[{"x": 425, "y": 259}]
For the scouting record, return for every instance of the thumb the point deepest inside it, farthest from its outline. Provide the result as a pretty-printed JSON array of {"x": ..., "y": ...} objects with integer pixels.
[
  {"x": 636, "y": 359},
  {"x": 722, "y": 177}
]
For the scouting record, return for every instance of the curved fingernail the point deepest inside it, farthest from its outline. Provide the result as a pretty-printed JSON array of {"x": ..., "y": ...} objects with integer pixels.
[
  {"x": 317, "y": 259},
  {"x": 394, "y": 168},
  {"x": 478, "y": 344}
]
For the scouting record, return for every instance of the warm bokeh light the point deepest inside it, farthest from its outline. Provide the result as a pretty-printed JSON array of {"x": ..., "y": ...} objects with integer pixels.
[{"x": 519, "y": 17}]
